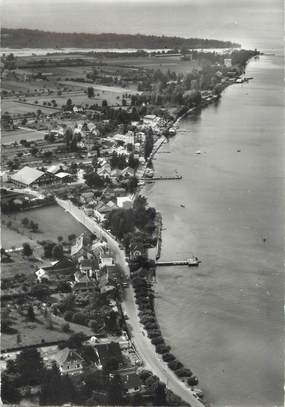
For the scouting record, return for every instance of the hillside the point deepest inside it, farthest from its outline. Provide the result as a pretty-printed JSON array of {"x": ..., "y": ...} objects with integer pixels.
[{"x": 24, "y": 38}]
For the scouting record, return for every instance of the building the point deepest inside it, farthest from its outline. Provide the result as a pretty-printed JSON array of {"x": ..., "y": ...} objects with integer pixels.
[
  {"x": 106, "y": 259},
  {"x": 65, "y": 177},
  {"x": 84, "y": 286},
  {"x": 56, "y": 270},
  {"x": 228, "y": 62},
  {"x": 131, "y": 383},
  {"x": 69, "y": 361},
  {"x": 31, "y": 177},
  {"x": 124, "y": 202}
]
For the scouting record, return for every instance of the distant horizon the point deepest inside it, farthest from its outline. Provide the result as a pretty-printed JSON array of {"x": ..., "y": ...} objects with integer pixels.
[
  {"x": 116, "y": 33},
  {"x": 222, "y": 20}
]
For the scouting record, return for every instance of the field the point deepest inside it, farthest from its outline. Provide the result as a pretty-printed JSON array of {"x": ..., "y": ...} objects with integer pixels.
[
  {"x": 53, "y": 221},
  {"x": 164, "y": 63},
  {"x": 11, "y": 238},
  {"x": 14, "y": 107},
  {"x": 11, "y": 136},
  {"x": 39, "y": 331},
  {"x": 19, "y": 264}
]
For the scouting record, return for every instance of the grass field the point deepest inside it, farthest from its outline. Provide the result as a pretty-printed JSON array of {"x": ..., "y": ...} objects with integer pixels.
[
  {"x": 20, "y": 264},
  {"x": 164, "y": 63},
  {"x": 9, "y": 137},
  {"x": 111, "y": 94},
  {"x": 41, "y": 330},
  {"x": 15, "y": 107},
  {"x": 11, "y": 238},
  {"x": 53, "y": 221}
]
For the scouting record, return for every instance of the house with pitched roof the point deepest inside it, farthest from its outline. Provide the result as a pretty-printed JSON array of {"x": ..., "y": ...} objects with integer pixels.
[
  {"x": 69, "y": 361},
  {"x": 57, "y": 270},
  {"x": 31, "y": 177},
  {"x": 131, "y": 383}
]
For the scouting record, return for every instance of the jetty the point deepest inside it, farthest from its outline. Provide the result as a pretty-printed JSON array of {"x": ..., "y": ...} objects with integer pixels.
[
  {"x": 162, "y": 178},
  {"x": 192, "y": 262}
]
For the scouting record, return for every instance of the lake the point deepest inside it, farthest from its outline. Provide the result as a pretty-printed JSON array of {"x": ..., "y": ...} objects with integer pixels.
[{"x": 224, "y": 320}]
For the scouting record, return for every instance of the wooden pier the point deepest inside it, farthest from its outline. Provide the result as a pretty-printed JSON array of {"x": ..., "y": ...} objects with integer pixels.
[
  {"x": 174, "y": 177},
  {"x": 192, "y": 262}
]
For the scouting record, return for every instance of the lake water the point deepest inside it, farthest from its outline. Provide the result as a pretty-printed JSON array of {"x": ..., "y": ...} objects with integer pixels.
[{"x": 224, "y": 320}]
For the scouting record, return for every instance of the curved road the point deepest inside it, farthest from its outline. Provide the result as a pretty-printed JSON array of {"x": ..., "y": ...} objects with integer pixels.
[{"x": 142, "y": 343}]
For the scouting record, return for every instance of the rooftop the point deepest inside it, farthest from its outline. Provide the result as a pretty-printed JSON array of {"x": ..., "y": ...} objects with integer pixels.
[{"x": 27, "y": 175}]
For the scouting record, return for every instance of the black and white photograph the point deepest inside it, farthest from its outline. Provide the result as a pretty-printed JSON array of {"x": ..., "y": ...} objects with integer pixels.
[{"x": 142, "y": 203}]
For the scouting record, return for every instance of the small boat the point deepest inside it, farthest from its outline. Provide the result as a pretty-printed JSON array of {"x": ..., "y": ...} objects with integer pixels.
[
  {"x": 198, "y": 152},
  {"x": 182, "y": 206},
  {"x": 238, "y": 151}
]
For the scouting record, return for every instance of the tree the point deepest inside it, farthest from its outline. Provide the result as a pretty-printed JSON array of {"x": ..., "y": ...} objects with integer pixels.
[
  {"x": 115, "y": 391},
  {"x": 48, "y": 247},
  {"x": 64, "y": 287},
  {"x": 104, "y": 103},
  {"x": 159, "y": 394},
  {"x": 65, "y": 327},
  {"x": 59, "y": 238},
  {"x": 75, "y": 340},
  {"x": 51, "y": 390},
  {"x": 57, "y": 252},
  {"x": 90, "y": 92},
  {"x": 111, "y": 365},
  {"x": 30, "y": 366},
  {"x": 148, "y": 146},
  {"x": 69, "y": 104},
  {"x": 71, "y": 237},
  {"x": 94, "y": 180},
  {"x": 31, "y": 313},
  {"x": 133, "y": 162},
  {"x": 25, "y": 221},
  {"x": 9, "y": 392},
  {"x": 79, "y": 318},
  {"x": 67, "y": 304},
  {"x": 132, "y": 185},
  {"x": 34, "y": 150},
  {"x": 34, "y": 226},
  {"x": 27, "y": 250}
]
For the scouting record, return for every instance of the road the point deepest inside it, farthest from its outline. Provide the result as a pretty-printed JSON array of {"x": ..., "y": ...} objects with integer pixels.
[{"x": 142, "y": 343}]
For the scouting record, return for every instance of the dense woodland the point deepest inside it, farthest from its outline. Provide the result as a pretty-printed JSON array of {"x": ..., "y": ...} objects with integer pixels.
[{"x": 24, "y": 38}]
